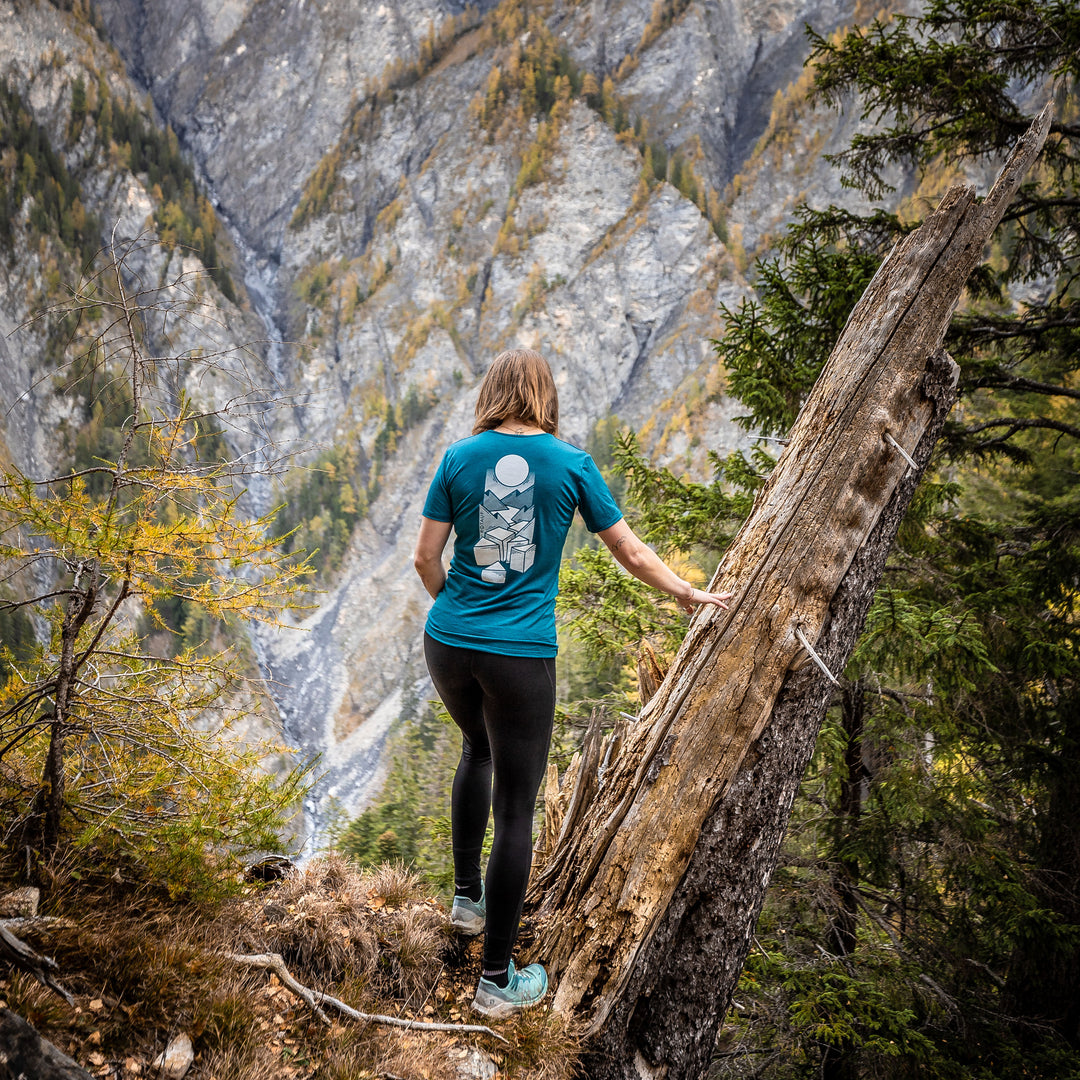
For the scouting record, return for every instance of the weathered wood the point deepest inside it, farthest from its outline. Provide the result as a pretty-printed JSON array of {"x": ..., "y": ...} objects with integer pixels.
[
  {"x": 626, "y": 891},
  {"x": 16, "y": 952},
  {"x": 685, "y": 975},
  {"x": 25, "y": 1054},
  {"x": 315, "y": 998},
  {"x": 650, "y": 674}
]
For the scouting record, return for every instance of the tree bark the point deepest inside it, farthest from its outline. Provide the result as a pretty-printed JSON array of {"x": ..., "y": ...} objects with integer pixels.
[
  {"x": 25, "y": 1053},
  {"x": 17, "y": 953},
  {"x": 79, "y": 609},
  {"x": 649, "y": 898}
]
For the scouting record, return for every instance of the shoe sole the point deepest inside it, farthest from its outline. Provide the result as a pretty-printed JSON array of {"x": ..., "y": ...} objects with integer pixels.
[
  {"x": 468, "y": 927},
  {"x": 501, "y": 1009}
]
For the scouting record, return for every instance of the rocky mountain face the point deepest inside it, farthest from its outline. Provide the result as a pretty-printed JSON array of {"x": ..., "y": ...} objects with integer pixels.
[{"x": 402, "y": 188}]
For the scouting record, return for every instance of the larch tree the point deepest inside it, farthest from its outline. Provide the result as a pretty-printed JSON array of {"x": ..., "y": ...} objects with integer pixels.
[{"x": 113, "y": 729}]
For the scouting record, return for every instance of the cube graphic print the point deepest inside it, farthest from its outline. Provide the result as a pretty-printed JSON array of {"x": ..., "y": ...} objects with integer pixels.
[{"x": 507, "y": 520}]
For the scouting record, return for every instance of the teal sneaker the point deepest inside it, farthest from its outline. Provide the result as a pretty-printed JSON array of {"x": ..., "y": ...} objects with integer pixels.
[
  {"x": 525, "y": 988},
  {"x": 469, "y": 916}
]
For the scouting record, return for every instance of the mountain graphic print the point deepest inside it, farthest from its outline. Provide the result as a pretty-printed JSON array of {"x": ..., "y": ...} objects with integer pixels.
[{"x": 507, "y": 520}]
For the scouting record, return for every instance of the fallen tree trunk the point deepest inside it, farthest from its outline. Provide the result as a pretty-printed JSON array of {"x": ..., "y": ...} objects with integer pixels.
[
  {"x": 17, "y": 953},
  {"x": 24, "y": 1053},
  {"x": 650, "y": 895}
]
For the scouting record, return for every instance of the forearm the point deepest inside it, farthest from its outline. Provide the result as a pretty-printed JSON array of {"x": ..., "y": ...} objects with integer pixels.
[
  {"x": 432, "y": 574},
  {"x": 648, "y": 567},
  {"x": 427, "y": 558}
]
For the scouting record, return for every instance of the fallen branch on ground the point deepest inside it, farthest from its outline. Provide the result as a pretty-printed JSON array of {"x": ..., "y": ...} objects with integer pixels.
[
  {"x": 314, "y": 998},
  {"x": 23, "y": 922},
  {"x": 20, "y": 955}
]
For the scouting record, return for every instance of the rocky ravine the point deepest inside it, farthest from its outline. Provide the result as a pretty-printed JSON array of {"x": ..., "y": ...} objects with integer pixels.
[{"x": 434, "y": 243}]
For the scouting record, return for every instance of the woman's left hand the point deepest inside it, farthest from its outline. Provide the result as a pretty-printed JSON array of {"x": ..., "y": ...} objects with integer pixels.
[{"x": 699, "y": 597}]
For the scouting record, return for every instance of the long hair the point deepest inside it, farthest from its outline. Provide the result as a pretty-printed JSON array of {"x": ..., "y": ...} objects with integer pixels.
[{"x": 518, "y": 385}]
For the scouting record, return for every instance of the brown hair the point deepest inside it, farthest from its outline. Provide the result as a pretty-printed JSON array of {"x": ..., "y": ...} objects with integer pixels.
[{"x": 518, "y": 385}]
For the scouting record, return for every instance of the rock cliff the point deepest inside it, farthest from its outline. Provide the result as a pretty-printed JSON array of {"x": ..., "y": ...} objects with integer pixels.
[{"x": 407, "y": 187}]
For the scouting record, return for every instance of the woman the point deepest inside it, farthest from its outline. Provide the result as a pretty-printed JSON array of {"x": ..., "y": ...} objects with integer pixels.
[{"x": 509, "y": 492}]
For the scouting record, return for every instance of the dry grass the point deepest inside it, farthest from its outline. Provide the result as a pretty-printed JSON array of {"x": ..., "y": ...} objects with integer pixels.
[
  {"x": 317, "y": 920},
  {"x": 143, "y": 967},
  {"x": 332, "y": 922}
]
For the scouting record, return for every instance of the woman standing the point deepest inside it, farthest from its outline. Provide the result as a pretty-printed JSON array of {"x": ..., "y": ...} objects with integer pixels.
[{"x": 509, "y": 492}]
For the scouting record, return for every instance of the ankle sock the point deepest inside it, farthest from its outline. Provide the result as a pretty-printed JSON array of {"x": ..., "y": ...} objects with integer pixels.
[
  {"x": 500, "y": 978},
  {"x": 470, "y": 892}
]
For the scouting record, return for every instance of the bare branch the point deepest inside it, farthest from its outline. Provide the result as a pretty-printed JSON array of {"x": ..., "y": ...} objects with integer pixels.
[
  {"x": 1027, "y": 386},
  {"x": 314, "y": 998},
  {"x": 1015, "y": 424}
]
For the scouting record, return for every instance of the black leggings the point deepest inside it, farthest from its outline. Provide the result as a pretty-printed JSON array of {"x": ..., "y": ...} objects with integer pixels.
[{"x": 504, "y": 706}]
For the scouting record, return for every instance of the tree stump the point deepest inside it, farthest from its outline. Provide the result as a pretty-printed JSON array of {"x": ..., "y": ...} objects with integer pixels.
[{"x": 650, "y": 895}]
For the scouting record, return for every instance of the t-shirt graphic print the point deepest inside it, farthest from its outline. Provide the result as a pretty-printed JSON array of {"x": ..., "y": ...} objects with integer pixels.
[
  {"x": 507, "y": 520},
  {"x": 511, "y": 500}
]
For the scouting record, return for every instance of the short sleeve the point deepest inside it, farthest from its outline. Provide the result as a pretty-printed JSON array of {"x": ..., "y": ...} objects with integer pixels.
[
  {"x": 437, "y": 505},
  {"x": 597, "y": 505}
]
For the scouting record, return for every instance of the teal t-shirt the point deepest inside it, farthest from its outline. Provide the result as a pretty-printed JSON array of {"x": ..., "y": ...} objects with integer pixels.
[{"x": 511, "y": 499}]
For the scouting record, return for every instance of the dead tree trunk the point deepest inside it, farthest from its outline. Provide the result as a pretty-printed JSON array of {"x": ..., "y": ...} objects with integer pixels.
[
  {"x": 650, "y": 896},
  {"x": 25, "y": 1053}
]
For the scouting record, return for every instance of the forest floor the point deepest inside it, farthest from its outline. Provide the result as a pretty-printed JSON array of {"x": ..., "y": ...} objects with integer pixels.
[{"x": 144, "y": 968}]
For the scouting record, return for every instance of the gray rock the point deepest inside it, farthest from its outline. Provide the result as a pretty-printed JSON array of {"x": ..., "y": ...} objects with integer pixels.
[
  {"x": 20, "y": 903},
  {"x": 175, "y": 1060},
  {"x": 472, "y": 1064},
  {"x": 259, "y": 89},
  {"x": 433, "y": 255}
]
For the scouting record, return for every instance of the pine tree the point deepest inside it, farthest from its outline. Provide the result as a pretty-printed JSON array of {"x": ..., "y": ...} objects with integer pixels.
[
  {"x": 959, "y": 84},
  {"x": 928, "y": 920},
  {"x": 956, "y": 738}
]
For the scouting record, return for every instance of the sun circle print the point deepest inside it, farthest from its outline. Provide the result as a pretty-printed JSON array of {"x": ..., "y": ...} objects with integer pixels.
[{"x": 511, "y": 470}]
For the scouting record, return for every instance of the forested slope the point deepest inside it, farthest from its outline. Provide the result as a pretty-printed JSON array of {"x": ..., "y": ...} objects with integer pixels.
[{"x": 399, "y": 191}]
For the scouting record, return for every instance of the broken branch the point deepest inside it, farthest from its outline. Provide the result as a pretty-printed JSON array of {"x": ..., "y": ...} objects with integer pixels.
[{"x": 314, "y": 998}]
